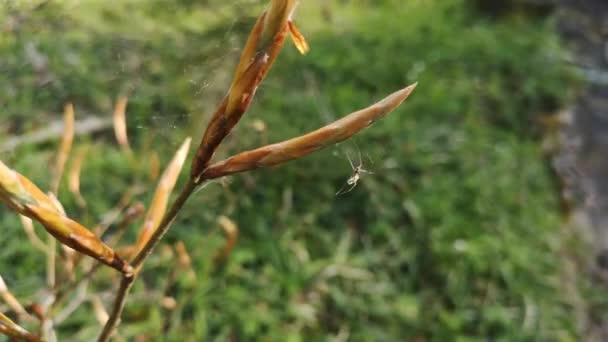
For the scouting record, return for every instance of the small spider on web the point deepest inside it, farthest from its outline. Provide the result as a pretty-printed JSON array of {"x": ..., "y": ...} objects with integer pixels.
[{"x": 358, "y": 170}]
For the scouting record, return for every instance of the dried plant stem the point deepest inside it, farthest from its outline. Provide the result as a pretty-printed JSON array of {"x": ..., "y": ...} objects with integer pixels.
[
  {"x": 127, "y": 281},
  {"x": 11, "y": 329},
  {"x": 28, "y": 227},
  {"x": 74, "y": 284},
  {"x": 119, "y": 305},
  {"x": 12, "y": 301},
  {"x": 164, "y": 226},
  {"x": 50, "y": 262}
]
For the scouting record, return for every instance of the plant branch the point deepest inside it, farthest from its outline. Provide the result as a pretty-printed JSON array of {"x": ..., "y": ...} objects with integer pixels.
[
  {"x": 127, "y": 281},
  {"x": 119, "y": 304}
]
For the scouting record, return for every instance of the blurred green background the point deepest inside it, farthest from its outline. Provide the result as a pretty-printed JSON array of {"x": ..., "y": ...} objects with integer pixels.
[{"x": 456, "y": 236}]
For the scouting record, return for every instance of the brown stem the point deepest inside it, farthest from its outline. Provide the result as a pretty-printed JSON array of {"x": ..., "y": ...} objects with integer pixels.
[
  {"x": 127, "y": 280},
  {"x": 164, "y": 226},
  {"x": 119, "y": 304}
]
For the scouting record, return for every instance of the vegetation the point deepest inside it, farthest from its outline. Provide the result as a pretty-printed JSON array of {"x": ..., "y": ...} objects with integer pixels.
[{"x": 455, "y": 236}]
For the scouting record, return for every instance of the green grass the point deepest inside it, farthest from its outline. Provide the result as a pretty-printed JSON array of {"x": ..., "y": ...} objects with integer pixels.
[{"x": 456, "y": 235}]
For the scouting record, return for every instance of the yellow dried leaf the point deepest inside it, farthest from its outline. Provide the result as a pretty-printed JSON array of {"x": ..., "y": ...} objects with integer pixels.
[
  {"x": 18, "y": 191},
  {"x": 120, "y": 123},
  {"x": 298, "y": 38},
  {"x": 74, "y": 176},
  {"x": 165, "y": 186},
  {"x": 65, "y": 147},
  {"x": 74, "y": 235}
]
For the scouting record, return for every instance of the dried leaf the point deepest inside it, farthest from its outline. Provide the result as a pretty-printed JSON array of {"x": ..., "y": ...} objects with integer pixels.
[
  {"x": 17, "y": 191},
  {"x": 100, "y": 312},
  {"x": 157, "y": 209},
  {"x": 74, "y": 176},
  {"x": 74, "y": 235},
  {"x": 28, "y": 227},
  {"x": 301, "y": 146},
  {"x": 28, "y": 200},
  {"x": 298, "y": 38},
  {"x": 279, "y": 12},
  {"x": 231, "y": 231},
  {"x": 65, "y": 147},
  {"x": 183, "y": 258},
  {"x": 120, "y": 123}
]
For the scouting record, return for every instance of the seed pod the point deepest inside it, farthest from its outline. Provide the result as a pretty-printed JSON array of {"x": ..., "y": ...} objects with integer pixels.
[{"x": 301, "y": 146}]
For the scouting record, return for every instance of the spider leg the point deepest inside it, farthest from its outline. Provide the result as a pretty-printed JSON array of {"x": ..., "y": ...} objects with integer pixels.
[
  {"x": 343, "y": 190},
  {"x": 350, "y": 161}
]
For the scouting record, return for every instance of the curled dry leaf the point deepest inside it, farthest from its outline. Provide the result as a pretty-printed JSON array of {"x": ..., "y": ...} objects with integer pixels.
[
  {"x": 120, "y": 123},
  {"x": 301, "y": 146},
  {"x": 27, "y": 199},
  {"x": 158, "y": 207},
  {"x": 298, "y": 39},
  {"x": 12, "y": 329},
  {"x": 65, "y": 147},
  {"x": 261, "y": 50}
]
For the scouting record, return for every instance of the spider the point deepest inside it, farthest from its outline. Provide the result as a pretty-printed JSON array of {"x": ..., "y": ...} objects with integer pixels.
[{"x": 351, "y": 182}]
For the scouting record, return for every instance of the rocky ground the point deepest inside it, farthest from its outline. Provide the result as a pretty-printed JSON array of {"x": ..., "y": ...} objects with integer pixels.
[{"x": 582, "y": 162}]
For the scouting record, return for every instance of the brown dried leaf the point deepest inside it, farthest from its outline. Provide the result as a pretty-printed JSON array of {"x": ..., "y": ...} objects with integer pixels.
[
  {"x": 261, "y": 50},
  {"x": 301, "y": 146},
  {"x": 183, "y": 258},
  {"x": 231, "y": 231},
  {"x": 74, "y": 235},
  {"x": 27, "y": 199}
]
